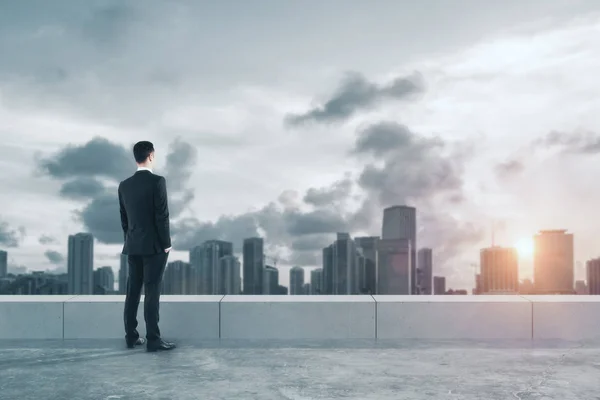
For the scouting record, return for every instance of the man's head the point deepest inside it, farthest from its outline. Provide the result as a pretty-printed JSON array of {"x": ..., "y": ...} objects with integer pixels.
[{"x": 143, "y": 152}]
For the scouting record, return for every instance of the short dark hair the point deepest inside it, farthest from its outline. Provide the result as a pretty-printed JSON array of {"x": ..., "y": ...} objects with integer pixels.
[{"x": 141, "y": 151}]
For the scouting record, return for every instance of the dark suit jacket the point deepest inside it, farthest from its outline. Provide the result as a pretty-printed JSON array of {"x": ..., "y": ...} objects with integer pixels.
[{"x": 144, "y": 214}]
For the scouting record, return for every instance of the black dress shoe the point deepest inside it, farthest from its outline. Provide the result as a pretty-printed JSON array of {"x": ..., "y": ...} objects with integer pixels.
[
  {"x": 138, "y": 342},
  {"x": 160, "y": 345}
]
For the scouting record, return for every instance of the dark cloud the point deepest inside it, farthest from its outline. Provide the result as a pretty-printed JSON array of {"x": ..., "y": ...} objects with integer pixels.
[
  {"x": 54, "y": 257},
  {"x": 82, "y": 188},
  {"x": 338, "y": 191},
  {"x": 107, "y": 24},
  {"x": 509, "y": 168},
  {"x": 46, "y": 239},
  {"x": 10, "y": 237},
  {"x": 356, "y": 93},
  {"x": 571, "y": 143},
  {"x": 98, "y": 157},
  {"x": 318, "y": 221},
  {"x": 312, "y": 242}
]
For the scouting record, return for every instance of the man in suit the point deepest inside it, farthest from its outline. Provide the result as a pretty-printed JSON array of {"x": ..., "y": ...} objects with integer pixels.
[{"x": 145, "y": 222}]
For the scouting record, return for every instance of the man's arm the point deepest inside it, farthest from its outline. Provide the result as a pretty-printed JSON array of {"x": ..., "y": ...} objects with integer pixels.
[
  {"x": 161, "y": 214},
  {"x": 124, "y": 223}
]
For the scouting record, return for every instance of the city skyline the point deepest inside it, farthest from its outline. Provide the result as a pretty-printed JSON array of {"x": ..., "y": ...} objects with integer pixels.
[{"x": 486, "y": 122}]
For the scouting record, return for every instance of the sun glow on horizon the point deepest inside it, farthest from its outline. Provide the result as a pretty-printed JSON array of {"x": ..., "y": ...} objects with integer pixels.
[{"x": 525, "y": 247}]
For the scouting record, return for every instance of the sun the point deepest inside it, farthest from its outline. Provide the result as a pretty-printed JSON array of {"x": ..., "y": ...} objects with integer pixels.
[{"x": 525, "y": 247}]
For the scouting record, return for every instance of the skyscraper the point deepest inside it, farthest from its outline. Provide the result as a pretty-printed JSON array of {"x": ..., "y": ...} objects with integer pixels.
[
  {"x": 253, "y": 265},
  {"x": 80, "y": 264},
  {"x": 123, "y": 272},
  {"x": 104, "y": 278},
  {"x": 297, "y": 281},
  {"x": 394, "y": 259},
  {"x": 553, "y": 262},
  {"x": 210, "y": 267},
  {"x": 345, "y": 265},
  {"x": 328, "y": 269},
  {"x": 178, "y": 278},
  {"x": 425, "y": 267},
  {"x": 400, "y": 222},
  {"x": 439, "y": 285},
  {"x": 593, "y": 276},
  {"x": 271, "y": 280},
  {"x": 499, "y": 270},
  {"x": 368, "y": 273},
  {"x": 230, "y": 275},
  {"x": 3, "y": 264},
  {"x": 316, "y": 281}
]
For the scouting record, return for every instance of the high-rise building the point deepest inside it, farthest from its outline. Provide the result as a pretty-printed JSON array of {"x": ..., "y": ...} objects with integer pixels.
[
  {"x": 328, "y": 269},
  {"x": 123, "y": 273},
  {"x": 297, "y": 281},
  {"x": 271, "y": 280},
  {"x": 80, "y": 264},
  {"x": 499, "y": 270},
  {"x": 345, "y": 274},
  {"x": 368, "y": 271},
  {"x": 208, "y": 265},
  {"x": 306, "y": 288},
  {"x": 425, "y": 267},
  {"x": 400, "y": 222},
  {"x": 394, "y": 262},
  {"x": 178, "y": 278},
  {"x": 104, "y": 278},
  {"x": 230, "y": 278},
  {"x": 553, "y": 262},
  {"x": 581, "y": 288},
  {"x": 254, "y": 264},
  {"x": 593, "y": 276},
  {"x": 316, "y": 281},
  {"x": 439, "y": 285},
  {"x": 3, "y": 264}
]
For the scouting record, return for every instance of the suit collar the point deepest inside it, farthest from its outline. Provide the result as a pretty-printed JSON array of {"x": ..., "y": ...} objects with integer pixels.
[{"x": 143, "y": 169}]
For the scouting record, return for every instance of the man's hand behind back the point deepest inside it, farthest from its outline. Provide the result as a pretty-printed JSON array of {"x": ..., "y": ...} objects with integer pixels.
[{"x": 167, "y": 250}]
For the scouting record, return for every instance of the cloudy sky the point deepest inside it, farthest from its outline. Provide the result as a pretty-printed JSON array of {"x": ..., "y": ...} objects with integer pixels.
[{"x": 294, "y": 120}]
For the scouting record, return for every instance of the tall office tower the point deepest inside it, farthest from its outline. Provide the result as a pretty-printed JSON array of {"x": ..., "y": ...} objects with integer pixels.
[
  {"x": 345, "y": 265},
  {"x": 368, "y": 276},
  {"x": 400, "y": 222},
  {"x": 80, "y": 264},
  {"x": 178, "y": 278},
  {"x": 254, "y": 264},
  {"x": 196, "y": 254},
  {"x": 210, "y": 267},
  {"x": 104, "y": 277},
  {"x": 270, "y": 280},
  {"x": 425, "y": 267},
  {"x": 593, "y": 276},
  {"x": 297, "y": 280},
  {"x": 230, "y": 277},
  {"x": 316, "y": 281},
  {"x": 123, "y": 273},
  {"x": 439, "y": 285},
  {"x": 3, "y": 264},
  {"x": 306, "y": 289},
  {"x": 328, "y": 269},
  {"x": 581, "y": 288},
  {"x": 394, "y": 276},
  {"x": 553, "y": 266},
  {"x": 499, "y": 270}
]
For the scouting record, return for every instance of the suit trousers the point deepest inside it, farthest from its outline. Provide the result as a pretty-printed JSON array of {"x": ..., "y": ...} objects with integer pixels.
[{"x": 147, "y": 271}]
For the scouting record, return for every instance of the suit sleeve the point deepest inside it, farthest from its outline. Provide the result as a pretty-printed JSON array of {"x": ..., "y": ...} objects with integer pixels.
[
  {"x": 161, "y": 213},
  {"x": 124, "y": 222}
]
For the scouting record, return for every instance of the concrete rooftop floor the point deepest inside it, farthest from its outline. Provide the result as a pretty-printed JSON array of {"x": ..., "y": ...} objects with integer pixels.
[{"x": 363, "y": 370}]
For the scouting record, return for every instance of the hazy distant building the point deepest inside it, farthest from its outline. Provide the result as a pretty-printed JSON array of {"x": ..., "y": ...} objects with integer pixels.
[
  {"x": 581, "y": 288},
  {"x": 328, "y": 269},
  {"x": 178, "y": 278},
  {"x": 425, "y": 268},
  {"x": 316, "y": 281},
  {"x": 553, "y": 262},
  {"x": 80, "y": 264},
  {"x": 306, "y": 289},
  {"x": 526, "y": 287},
  {"x": 123, "y": 273},
  {"x": 271, "y": 280},
  {"x": 254, "y": 265},
  {"x": 104, "y": 277},
  {"x": 345, "y": 274},
  {"x": 207, "y": 266},
  {"x": 3, "y": 264},
  {"x": 297, "y": 281},
  {"x": 368, "y": 270},
  {"x": 439, "y": 285},
  {"x": 400, "y": 222},
  {"x": 229, "y": 275},
  {"x": 478, "y": 287},
  {"x": 499, "y": 270},
  {"x": 394, "y": 262},
  {"x": 593, "y": 276}
]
